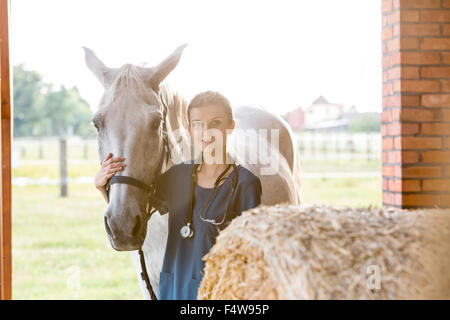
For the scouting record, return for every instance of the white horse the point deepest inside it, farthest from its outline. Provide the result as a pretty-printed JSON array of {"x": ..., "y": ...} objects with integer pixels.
[{"x": 129, "y": 121}]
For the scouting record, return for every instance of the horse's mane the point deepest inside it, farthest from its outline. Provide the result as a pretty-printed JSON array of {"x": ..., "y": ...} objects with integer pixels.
[{"x": 176, "y": 102}]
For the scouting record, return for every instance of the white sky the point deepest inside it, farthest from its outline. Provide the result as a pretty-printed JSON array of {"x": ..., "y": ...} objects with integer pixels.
[{"x": 279, "y": 54}]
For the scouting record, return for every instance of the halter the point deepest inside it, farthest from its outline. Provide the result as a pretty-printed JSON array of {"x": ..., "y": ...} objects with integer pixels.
[{"x": 152, "y": 201}]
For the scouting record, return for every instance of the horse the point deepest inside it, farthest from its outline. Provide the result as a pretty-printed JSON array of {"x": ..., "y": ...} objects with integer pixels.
[{"x": 129, "y": 121}]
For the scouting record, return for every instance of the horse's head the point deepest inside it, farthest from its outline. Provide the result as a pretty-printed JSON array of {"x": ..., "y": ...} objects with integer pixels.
[{"x": 129, "y": 123}]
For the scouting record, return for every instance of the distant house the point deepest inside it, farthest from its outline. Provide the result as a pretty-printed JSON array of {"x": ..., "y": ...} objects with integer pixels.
[
  {"x": 321, "y": 115},
  {"x": 321, "y": 110},
  {"x": 296, "y": 118}
]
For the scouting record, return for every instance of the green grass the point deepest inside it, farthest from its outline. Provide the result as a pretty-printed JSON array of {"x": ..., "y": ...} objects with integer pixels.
[
  {"x": 50, "y": 169},
  {"x": 54, "y": 238},
  {"x": 352, "y": 192}
]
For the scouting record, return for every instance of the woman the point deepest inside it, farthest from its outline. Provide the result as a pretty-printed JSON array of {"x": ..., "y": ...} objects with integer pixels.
[{"x": 202, "y": 197}]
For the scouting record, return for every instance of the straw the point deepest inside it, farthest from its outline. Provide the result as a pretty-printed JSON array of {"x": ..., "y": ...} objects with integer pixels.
[{"x": 323, "y": 252}]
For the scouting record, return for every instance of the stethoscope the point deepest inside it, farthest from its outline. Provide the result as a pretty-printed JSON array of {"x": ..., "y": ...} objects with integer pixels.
[{"x": 187, "y": 231}]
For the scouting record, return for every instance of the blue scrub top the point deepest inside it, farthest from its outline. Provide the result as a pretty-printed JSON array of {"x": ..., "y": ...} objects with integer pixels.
[{"x": 182, "y": 268}]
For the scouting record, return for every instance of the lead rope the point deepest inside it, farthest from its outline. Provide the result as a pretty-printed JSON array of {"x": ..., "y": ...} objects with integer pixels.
[
  {"x": 144, "y": 275},
  {"x": 149, "y": 212}
]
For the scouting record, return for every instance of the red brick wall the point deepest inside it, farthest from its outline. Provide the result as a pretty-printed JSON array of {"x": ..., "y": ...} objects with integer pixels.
[{"x": 416, "y": 103}]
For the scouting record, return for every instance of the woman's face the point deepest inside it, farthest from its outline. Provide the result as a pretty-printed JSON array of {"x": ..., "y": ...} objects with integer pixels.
[{"x": 209, "y": 123}]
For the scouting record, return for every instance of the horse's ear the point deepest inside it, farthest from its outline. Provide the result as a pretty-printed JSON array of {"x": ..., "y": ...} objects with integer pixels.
[
  {"x": 161, "y": 71},
  {"x": 104, "y": 74}
]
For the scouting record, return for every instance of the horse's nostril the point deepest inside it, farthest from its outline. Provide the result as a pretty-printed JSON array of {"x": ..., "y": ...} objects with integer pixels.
[
  {"x": 137, "y": 227},
  {"x": 108, "y": 230}
]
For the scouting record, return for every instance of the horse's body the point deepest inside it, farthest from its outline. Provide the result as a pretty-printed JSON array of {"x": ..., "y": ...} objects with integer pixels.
[{"x": 280, "y": 183}]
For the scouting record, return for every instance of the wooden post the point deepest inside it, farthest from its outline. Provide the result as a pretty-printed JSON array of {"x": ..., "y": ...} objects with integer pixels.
[
  {"x": 338, "y": 136},
  {"x": 324, "y": 145},
  {"x": 5, "y": 96},
  {"x": 63, "y": 165},
  {"x": 313, "y": 143},
  {"x": 40, "y": 151},
  {"x": 85, "y": 149}
]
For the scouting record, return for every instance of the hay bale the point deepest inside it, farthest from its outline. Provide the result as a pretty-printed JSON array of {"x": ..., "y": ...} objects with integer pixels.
[{"x": 321, "y": 252}]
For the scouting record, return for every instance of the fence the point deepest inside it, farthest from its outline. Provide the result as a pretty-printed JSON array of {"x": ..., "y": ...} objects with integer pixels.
[
  {"x": 47, "y": 148},
  {"x": 35, "y": 160},
  {"x": 332, "y": 145},
  {"x": 40, "y": 160},
  {"x": 339, "y": 145}
]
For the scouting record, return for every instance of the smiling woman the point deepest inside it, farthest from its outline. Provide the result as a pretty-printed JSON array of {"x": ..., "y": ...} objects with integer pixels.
[{"x": 215, "y": 196}]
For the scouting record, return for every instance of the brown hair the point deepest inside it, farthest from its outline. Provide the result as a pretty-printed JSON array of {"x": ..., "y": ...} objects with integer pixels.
[{"x": 210, "y": 97}]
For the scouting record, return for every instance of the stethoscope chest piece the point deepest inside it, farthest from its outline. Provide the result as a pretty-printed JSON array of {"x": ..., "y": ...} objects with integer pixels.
[{"x": 187, "y": 231}]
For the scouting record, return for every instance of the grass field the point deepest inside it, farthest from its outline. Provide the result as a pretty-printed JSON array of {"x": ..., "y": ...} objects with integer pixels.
[
  {"x": 55, "y": 239},
  {"x": 60, "y": 249}
]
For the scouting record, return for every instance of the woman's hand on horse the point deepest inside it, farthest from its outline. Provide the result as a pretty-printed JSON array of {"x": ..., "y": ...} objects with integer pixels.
[{"x": 109, "y": 167}]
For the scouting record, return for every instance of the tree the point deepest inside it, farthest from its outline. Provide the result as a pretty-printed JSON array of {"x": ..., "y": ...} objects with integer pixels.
[
  {"x": 365, "y": 123},
  {"x": 40, "y": 109},
  {"x": 27, "y": 93},
  {"x": 66, "y": 112}
]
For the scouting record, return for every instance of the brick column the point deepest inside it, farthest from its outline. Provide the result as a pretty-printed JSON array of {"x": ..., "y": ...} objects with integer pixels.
[{"x": 416, "y": 103}]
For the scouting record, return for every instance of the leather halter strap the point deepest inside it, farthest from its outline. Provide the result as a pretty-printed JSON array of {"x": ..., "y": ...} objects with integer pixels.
[{"x": 131, "y": 181}]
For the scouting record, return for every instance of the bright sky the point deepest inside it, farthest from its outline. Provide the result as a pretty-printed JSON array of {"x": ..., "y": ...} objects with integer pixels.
[{"x": 278, "y": 54}]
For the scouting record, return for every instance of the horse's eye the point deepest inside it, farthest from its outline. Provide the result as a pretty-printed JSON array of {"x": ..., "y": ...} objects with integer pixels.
[
  {"x": 98, "y": 123},
  {"x": 95, "y": 125}
]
